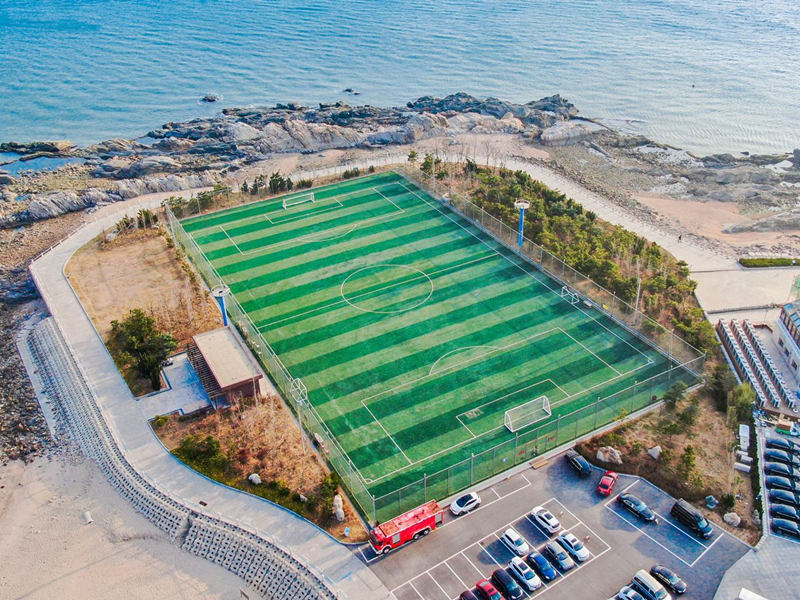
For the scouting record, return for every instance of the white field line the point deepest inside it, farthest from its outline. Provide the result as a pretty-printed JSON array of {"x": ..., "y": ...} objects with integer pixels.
[
  {"x": 473, "y": 436},
  {"x": 590, "y": 352},
  {"x": 314, "y": 237},
  {"x": 381, "y": 289},
  {"x": 461, "y": 349},
  {"x": 230, "y": 239},
  {"x": 577, "y": 306},
  {"x": 388, "y": 434},
  {"x": 420, "y": 303}
]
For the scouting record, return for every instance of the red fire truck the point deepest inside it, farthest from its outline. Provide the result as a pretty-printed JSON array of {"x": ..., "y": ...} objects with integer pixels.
[{"x": 408, "y": 526}]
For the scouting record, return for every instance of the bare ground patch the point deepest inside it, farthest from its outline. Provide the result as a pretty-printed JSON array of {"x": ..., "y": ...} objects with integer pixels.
[
  {"x": 714, "y": 444},
  {"x": 261, "y": 436}
]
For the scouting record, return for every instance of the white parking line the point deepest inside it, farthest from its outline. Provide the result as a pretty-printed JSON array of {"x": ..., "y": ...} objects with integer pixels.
[
  {"x": 432, "y": 578},
  {"x": 483, "y": 548},
  {"x": 416, "y": 590},
  {"x": 667, "y": 521}
]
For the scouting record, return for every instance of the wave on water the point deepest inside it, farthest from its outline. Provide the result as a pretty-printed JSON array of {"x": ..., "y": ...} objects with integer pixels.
[{"x": 707, "y": 77}]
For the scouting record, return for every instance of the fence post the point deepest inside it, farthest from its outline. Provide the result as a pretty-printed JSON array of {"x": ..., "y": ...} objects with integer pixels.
[
  {"x": 596, "y": 408},
  {"x": 374, "y": 511},
  {"x": 516, "y": 444},
  {"x": 472, "y": 469},
  {"x": 425, "y": 486},
  {"x": 558, "y": 428}
]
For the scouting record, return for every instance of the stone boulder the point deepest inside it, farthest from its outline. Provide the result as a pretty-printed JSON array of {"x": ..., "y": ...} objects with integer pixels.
[
  {"x": 338, "y": 508},
  {"x": 732, "y": 519},
  {"x": 254, "y": 478},
  {"x": 6, "y": 179},
  {"x": 55, "y": 147},
  {"x": 607, "y": 454},
  {"x": 564, "y": 133},
  {"x": 655, "y": 452},
  {"x": 148, "y": 166}
]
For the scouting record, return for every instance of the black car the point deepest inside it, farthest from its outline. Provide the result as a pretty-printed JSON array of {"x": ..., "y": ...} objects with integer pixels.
[
  {"x": 781, "y": 470},
  {"x": 669, "y": 578},
  {"x": 783, "y": 444},
  {"x": 506, "y": 585},
  {"x": 786, "y": 527},
  {"x": 773, "y": 482},
  {"x": 773, "y": 455},
  {"x": 636, "y": 506},
  {"x": 781, "y": 511},
  {"x": 783, "y": 497},
  {"x": 467, "y": 595},
  {"x": 577, "y": 462},
  {"x": 556, "y": 554}
]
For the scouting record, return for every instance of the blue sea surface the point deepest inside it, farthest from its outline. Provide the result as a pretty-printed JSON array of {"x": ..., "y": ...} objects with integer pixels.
[{"x": 707, "y": 76}]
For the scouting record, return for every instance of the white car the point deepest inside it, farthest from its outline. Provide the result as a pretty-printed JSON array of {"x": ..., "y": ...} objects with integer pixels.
[
  {"x": 515, "y": 542},
  {"x": 465, "y": 503},
  {"x": 545, "y": 519},
  {"x": 628, "y": 593},
  {"x": 574, "y": 546},
  {"x": 524, "y": 574}
]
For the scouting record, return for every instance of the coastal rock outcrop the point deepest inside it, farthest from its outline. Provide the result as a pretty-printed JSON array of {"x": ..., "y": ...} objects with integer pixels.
[{"x": 52, "y": 147}]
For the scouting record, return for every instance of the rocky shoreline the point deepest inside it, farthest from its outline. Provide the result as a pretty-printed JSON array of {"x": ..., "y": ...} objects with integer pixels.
[{"x": 38, "y": 208}]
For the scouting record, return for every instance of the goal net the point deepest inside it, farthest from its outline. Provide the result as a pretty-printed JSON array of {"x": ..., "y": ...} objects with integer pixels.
[
  {"x": 527, "y": 414},
  {"x": 299, "y": 199},
  {"x": 570, "y": 296}
]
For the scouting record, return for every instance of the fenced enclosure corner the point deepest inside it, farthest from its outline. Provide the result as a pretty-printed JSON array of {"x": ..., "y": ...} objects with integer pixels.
[
  {"x": 531, "y": 440},
  {"x": 629, "y": 317}
]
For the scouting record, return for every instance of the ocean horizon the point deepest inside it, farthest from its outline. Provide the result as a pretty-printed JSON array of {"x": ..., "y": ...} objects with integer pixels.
[{"x": 719, "y": 78}]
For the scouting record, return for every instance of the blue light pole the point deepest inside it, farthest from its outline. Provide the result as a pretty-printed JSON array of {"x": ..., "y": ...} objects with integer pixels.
[
  {"x": 522, "y": 206},
  {"x": 220, "y": 293}
]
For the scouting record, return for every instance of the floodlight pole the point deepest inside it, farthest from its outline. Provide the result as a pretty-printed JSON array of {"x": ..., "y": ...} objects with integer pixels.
[
  {"x": 220, "y": 293},
  {"x": 522, "y": 206}
]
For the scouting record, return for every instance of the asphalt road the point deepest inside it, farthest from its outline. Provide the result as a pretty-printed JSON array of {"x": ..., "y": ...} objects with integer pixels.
[{"x": 467, "y": 548}]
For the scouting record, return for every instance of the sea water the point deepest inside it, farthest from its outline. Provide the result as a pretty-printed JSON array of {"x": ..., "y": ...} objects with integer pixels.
[{"x": 707, "y": 76}]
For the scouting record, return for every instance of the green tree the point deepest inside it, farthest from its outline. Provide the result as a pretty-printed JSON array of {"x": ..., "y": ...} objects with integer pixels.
[
  {"x": 741, "y": 400},
  {"x": 412, "y": 156},
  {"x": 276, "y": 183},
  {"x": 427, "y": 165},
  {"x": 719, "y": 385},
  {"x": 138, "y": 337},
  {"x": 674, "y": 394},
  {"x": 688, "y": 460},
  {"x": 244, "y": 187}
]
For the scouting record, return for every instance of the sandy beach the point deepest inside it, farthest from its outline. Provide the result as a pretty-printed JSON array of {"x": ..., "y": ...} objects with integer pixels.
[{"x": 47, "y": 551}]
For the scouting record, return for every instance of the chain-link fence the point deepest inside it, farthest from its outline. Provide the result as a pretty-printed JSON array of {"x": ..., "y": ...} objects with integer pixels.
[
  {"x": 290, "y": 388},
  {"x": 686, "y": 363}
]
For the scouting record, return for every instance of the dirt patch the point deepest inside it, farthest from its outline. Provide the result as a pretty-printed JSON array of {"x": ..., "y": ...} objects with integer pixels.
[
  {"x": 261, "y": 436},
  {"x": 713, "y": 441},
  {"x": 141, "y": 270}
]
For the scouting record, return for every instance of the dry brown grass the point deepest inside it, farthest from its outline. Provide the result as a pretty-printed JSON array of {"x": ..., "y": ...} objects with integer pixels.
[
  {"x": 713, "y": 441},
  {"x": 262, "y": 437},
  {"x": 141, "y": 270}
]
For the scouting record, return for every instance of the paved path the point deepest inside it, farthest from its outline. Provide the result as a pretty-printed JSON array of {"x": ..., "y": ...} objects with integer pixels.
[{"x": 318, "y": 551}]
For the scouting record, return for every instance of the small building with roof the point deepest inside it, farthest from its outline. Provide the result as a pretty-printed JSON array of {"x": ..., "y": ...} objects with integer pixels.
[
  {"x": 787, "y": 335},
  {"x": 226, "y": 369}
]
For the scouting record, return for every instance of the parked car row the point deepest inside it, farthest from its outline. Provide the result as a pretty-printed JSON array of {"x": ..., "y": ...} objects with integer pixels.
[
  {"x": 652, "y": 585},
  {"x": 782, "y": 480}
]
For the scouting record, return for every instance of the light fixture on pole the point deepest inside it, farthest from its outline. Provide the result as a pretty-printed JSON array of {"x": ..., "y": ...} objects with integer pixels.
[{"x": 522, "y": 206}]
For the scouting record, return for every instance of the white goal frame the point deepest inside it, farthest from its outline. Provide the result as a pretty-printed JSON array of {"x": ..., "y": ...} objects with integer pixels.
[
  {"x": 299, "y": 199},
  {"x": 569, "y": 295},
  {"x": 527, "y": 414}
]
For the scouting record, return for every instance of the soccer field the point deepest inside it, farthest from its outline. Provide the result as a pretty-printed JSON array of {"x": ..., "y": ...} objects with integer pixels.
[{"x": 414, "y": 331}]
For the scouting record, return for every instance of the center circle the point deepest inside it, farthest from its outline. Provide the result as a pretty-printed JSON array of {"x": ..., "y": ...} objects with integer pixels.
[{"x": 386, "y": 289}]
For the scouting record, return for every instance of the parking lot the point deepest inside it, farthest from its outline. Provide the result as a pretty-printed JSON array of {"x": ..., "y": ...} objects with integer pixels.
[{"x": 468, "y": 548}]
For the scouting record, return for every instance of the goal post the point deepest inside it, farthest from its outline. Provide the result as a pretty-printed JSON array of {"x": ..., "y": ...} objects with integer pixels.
[
  {"x": 527, "y": 414},
  {"x": 570, "y": 295},
  {"x": 298, "y": 199}
]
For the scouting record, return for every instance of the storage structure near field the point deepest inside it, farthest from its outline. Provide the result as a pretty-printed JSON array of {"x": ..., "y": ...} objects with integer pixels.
[{"x": 225, "y": 368}]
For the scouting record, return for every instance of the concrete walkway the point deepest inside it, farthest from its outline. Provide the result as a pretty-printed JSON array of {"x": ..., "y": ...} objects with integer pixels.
[{"x": 319, "y": 552}]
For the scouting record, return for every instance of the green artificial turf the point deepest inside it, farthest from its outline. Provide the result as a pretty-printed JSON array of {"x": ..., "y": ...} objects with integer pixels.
[{"x": 413, "y": 330}]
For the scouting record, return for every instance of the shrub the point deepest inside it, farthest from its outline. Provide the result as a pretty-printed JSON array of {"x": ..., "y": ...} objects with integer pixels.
[
  {"x": 727, "y": 502},
  {"x": 768, "y": 262},
  {"x": 674, "y": 394},
  {"x": 303, "y": 184},
  {"x": 160, "y": 421}
]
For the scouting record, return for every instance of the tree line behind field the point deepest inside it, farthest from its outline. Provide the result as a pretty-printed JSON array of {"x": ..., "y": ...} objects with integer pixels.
[{"x": 610, "y": 255}]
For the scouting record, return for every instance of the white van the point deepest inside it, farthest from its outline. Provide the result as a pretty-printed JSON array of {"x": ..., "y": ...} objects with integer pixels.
[{"x": 647, "y": 585}]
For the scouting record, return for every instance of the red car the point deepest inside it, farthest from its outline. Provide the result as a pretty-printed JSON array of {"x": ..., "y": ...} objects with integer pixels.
[
  {"x": 488, "y": 591},
  {"x": 607, "y": 482}
]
